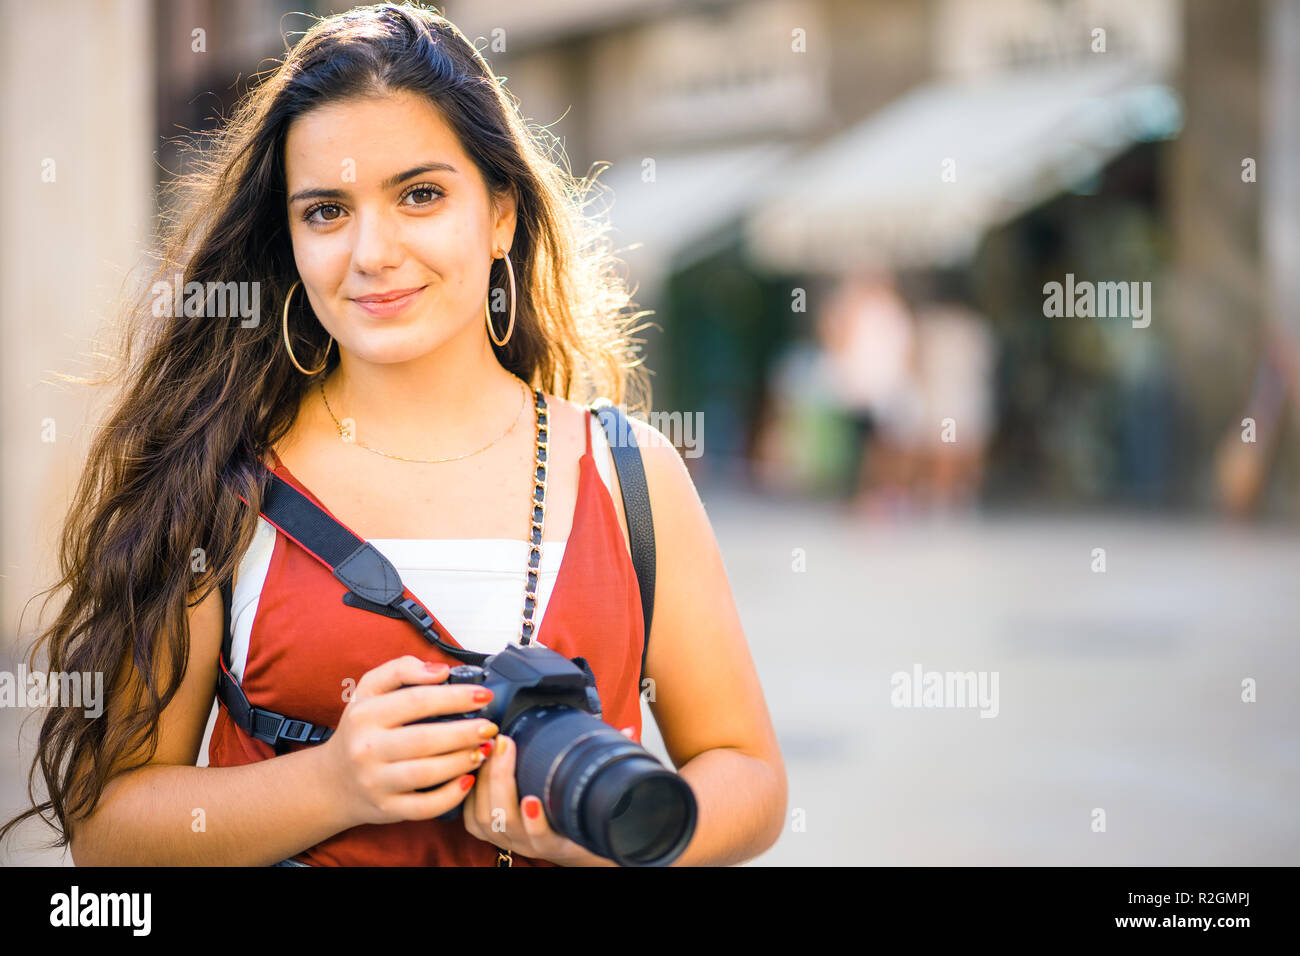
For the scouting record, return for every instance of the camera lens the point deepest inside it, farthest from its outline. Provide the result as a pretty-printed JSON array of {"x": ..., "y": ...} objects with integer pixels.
[
  {"x": 643, "y": 813},
  {"x": 600, "y": 789}
]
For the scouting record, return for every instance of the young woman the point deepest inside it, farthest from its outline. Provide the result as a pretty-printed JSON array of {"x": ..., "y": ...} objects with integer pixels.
[{"x": 381, "y": 189}]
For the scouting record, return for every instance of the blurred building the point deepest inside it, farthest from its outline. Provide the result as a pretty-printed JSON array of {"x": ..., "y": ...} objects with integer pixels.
[
  {"x": 96, "y": 99},
  {"x": 699, "y": 108},
  {"x": 758, "y": 150}
]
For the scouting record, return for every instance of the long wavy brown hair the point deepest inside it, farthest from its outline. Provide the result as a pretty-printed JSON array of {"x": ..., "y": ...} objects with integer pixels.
[{"x": 156, "y": 521}]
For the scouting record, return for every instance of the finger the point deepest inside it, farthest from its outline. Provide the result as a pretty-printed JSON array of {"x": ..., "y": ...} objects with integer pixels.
[
  {"x": 481, "y": 796},
  {"x": 391, "y": 675},
  {"x": 427, "y": 740},
  {"x": 406, "y": 704},
  {"x": 404, "y": 776},
  {"x": 480, "y": 799},
  {"x": 543, "y": 840},
  {"x": 629, "y": 732},
  {"x": 501, "y": 785},
  {"x": 536, "y": 826},
  {"x": 426, "y": 806}
]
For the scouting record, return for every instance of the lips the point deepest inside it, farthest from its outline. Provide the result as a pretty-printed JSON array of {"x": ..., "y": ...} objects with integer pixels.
[
  {"x": 387, "y": 296},
  {"x": 389, "y": 303}
]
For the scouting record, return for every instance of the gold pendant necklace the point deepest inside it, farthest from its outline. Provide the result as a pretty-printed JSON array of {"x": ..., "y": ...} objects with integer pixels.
[{"x": 428, "y": 461}]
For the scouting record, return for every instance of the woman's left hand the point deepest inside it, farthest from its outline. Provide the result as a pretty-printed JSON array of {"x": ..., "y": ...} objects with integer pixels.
[{"x": 520, "y": 825}]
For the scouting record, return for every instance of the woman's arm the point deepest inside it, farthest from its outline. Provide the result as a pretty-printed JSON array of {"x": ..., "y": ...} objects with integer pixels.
[
  {"x": 171, "y": 812},
  {"x": 707, "y": 699}
]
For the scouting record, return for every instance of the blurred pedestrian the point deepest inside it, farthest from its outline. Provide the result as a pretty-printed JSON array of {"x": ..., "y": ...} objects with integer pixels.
[
  {"x": 867, "y": 331},
  {"x": 956, "y": 362}
]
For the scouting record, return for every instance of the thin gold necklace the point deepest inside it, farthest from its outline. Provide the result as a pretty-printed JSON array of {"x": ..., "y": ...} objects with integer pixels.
[{"x": 431, "y": 461}]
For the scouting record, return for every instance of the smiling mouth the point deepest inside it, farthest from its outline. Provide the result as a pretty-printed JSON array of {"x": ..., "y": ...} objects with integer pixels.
[
  {"x": 389, "y": 303},
  {"x": 388, "y": 296}
]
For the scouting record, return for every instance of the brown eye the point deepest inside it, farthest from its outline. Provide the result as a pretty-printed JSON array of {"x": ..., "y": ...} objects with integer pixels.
[
  {"x": 323, "y": 213},
  {"x": 421, "y": 196}
]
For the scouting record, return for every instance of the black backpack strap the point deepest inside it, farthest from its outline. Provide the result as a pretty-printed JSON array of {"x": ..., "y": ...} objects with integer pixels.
[
  {"x": 636, "y": 505},
  {"x": 265, "y": 725}
]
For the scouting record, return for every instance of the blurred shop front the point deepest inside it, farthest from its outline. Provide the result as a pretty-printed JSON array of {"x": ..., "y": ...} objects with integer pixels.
[{"x": 966, "y": 197}]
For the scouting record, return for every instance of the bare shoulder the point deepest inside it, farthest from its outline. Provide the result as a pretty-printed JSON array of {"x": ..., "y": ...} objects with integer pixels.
[
  {"x": 672, "y": 492},
  {"x": 684, "y": 527},
  {"x": 666, "y": 475},
  {"x": 666, "y": 472},
  {"x": 567, "y": 419}
]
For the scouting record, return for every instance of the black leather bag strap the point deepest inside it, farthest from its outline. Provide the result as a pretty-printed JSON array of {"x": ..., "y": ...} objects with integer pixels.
[{"x": 636, "y": 505}]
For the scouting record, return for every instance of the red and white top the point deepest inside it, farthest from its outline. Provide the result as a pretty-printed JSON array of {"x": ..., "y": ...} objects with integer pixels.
[{"x": 297, "y": 648}]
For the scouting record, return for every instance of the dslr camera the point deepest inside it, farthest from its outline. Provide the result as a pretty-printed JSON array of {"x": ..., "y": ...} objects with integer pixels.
[{"x": 598, "y": 789}]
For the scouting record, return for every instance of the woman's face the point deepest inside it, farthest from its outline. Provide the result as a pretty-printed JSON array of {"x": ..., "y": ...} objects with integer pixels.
[{"x": 392, "y": 226}]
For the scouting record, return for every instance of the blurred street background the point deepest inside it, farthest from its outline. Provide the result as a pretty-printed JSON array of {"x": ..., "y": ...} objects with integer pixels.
[{"x": 848, "y": 217}]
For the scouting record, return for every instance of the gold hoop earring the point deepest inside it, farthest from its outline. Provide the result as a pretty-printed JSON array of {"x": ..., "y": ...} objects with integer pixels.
[
  {"x": 510, "y": 330},
  {"x": 289, "y": 348}
]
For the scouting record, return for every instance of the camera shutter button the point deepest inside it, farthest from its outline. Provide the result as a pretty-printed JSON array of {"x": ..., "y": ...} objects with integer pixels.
[{"x": 466, "y": 674}]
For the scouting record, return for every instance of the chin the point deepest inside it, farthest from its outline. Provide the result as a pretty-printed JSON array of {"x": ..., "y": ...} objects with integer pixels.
[{"x": 392, "y": 346}]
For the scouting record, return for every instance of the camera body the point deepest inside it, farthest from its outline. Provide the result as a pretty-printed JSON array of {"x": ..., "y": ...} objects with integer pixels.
[
  {"x": 597, "y": 788},
  {"x": 524, "y": 676}
]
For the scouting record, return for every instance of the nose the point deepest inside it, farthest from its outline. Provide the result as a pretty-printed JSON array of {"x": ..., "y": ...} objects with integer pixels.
[{"x": 377, "y": 244}]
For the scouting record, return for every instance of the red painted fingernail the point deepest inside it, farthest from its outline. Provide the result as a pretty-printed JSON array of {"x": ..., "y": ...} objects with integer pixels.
[
  {"x": 482, "y": 695},
  {"x": 467, "y": 781},
  {"x": 532, "y": 807},
  {"x": 485, "y": 748}
]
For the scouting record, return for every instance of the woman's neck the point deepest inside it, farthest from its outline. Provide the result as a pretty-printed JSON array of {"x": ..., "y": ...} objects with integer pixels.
[{"x": 438, "y": 404}]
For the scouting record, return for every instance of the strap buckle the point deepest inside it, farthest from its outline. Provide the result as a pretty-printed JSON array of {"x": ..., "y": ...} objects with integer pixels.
[
  {"x": 296, "y": 730},
  {"x": 414, "y": 612},
  {"x": 265, "y": 725},
  {"x": 272, "y": 728}
]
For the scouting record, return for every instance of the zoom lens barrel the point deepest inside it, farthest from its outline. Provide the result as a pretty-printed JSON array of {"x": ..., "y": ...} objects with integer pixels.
[{"x": 600, "y": 789}]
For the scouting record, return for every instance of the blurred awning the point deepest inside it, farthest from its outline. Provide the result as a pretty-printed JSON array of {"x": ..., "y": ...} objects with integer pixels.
[
  {"x": 921, "y": 181},
  {"x": 686, "y": 203}
]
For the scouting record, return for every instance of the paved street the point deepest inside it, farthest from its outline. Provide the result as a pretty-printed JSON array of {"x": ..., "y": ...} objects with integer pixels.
[{"x": 1119, "y": 691}]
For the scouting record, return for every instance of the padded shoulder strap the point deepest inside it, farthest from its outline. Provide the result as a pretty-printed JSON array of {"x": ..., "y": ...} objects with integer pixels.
[
  {"x": 373, "y": 583},
  {"x": 636, "y": 505}
]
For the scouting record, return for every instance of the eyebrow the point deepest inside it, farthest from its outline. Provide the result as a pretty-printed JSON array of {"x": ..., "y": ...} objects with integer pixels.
[{"x": 388, "y": 183}]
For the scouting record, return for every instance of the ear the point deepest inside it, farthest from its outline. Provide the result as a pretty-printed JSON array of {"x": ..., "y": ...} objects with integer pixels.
[{"x": 504, "y": 208}]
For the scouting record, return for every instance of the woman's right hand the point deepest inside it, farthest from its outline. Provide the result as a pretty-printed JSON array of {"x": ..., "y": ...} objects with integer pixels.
[{"x": 379, "y": 762}]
